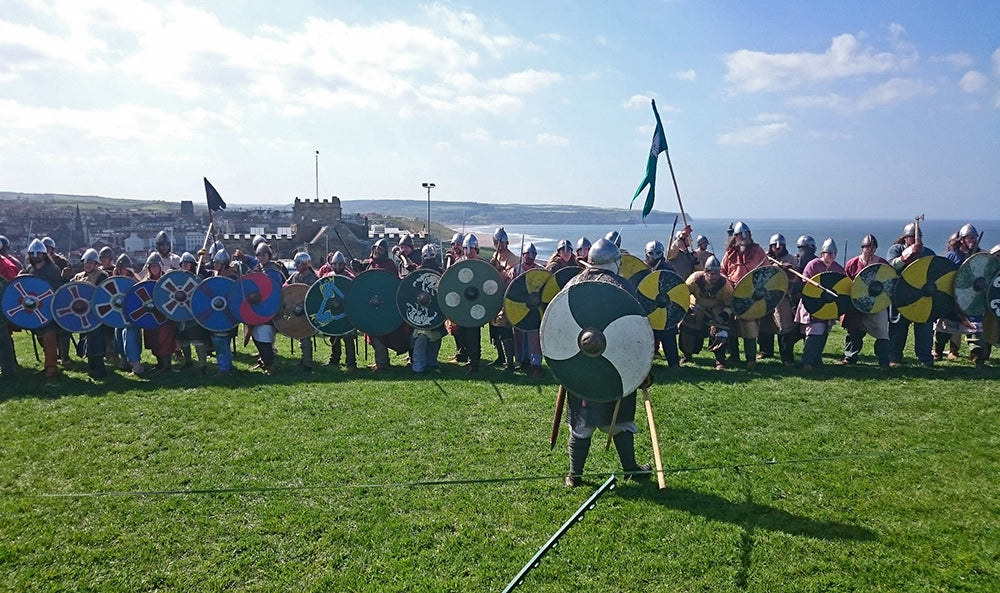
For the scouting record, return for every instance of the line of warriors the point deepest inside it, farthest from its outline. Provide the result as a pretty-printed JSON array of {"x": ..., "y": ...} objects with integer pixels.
[{"x": 710, "y": 316}]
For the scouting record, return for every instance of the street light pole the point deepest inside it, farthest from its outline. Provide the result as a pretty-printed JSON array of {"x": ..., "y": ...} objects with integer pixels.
[
  {"x": 428, "y": 186},
  {"x": 317, "y": 175}
]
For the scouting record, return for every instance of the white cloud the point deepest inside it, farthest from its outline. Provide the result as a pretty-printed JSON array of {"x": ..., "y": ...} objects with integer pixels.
[
  {"x": 758, "y": 135},
  {"x": 467, "y": 26},
  {"x": 887, "y": 94},
  {"x": 480, "y": 134},
  {"x": 996, "y": 60},
  {"x": 687, "y": 75},
  {"x": 754, "y": 71},
  {"x": 442, "y": 146},
  {"x": 512, "y": 144},
  {"x": 973, "y": 82},
  {"x": 830, "y": 135},
  {"x": 770, "y": 117},
  {"x": 601, "y": 40},
  {"x": 524, "y": 82},
  {"x": 551, "y": 140},
  {"x": 637, "y": 101},
  {"x": 956, "y": 60}
]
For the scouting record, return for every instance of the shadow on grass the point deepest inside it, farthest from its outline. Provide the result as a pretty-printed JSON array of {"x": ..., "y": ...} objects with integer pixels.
[{"x": 748, "y": 514}]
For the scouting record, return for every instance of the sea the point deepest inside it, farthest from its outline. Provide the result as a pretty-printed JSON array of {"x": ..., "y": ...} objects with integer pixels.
[{"x": 847, "y": 233}]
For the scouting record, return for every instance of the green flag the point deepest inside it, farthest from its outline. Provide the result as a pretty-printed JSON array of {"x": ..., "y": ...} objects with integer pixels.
[{"x": 659, "y": 145}]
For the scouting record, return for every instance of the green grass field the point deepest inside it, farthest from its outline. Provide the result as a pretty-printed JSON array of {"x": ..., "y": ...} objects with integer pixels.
[{"x": 845, "y": 479}]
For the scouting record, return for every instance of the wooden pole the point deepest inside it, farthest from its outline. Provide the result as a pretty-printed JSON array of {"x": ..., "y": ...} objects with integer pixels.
[
  {"x": 614, "y": 420},
  {"x": 660, "y": 479},
  {"x": 560, "y": 402},
  {"x": 805, "y": 278}
]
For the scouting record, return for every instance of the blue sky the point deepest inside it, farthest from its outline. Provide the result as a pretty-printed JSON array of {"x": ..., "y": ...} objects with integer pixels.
[{"x": 771, "y": 109}]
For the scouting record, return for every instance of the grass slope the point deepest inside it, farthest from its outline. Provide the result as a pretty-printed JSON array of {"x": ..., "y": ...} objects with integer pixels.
[{"x": 840, "y": 480}]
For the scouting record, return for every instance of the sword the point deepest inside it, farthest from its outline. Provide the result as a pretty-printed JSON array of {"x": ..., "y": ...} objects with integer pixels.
[{"x": 560, "y": 402}]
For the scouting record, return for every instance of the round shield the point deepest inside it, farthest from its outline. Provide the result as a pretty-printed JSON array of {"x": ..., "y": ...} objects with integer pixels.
[
  {"x": 210, "y": 304},
  {"x": 371, "y": 302},
  {"x": 140, "y": 308},
  {"x": 291, "y": 319},
  {"x": 557, "y": 281},
  {"x": 523, "y": 300},
  {"x": 72, "y": 307},
  {"x": 759, "y": 292},
  {"x": 993, "y": 296},
  {"x": 597, "y": 341},
  {"x": 821, "y": 304},
  {"x": 416, "y": 299},
  {"x": 664, "y": 297},
  {"x": 172, "y": 294},
  {"x": 872, "y": 288},
  {"x": 255, "y": 298},
  {"x": 109, "y": 300},
  {"x": 324, "y": 305},
  {"x": 3, "y": 286},
  {"x": 925, "y": 289},
  {"x": 27, "y": 302},
  {"x": 972, "y": 280},
  {"x": 276, "y": 271},
  {"x": 471, "y": 293},
  {"x": 633, "y": 268}
]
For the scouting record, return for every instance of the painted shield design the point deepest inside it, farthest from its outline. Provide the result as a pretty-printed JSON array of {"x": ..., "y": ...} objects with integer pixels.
[
  {"x": 558, "y": 281},
  {"x": 172, "y": 294},
  {"x": 871, "y": 291},
  {"x": 371, "y": 302},
  {"x": 926, "y": 289},
  {"x": 140, "y": 308},
  {"x": 758, "y": 292},
  {"x": 291, "y": 319},
  {"x": 325, "y": 308},
  {"x": 972, "y": 281},
  {"x": 993, "y": 296},
  {"x": 27, "y": 302},
  {"x": 72, "y": 307},
  {"x": 633, "y": 268},
  {"x": 276, "y": 271},
  {"x": 471, "y": 293},
  {"x": 821, "y": 304},
  {"x": 109, "y": 300},
  {"x": 597, "y": 341},
  {"x": 210, "y": 304},
  {"x": 255, "y": 298},
  {"x": 523, "y": 300},
  {"x": 664, "y": 297},
  {"x": 417, "y": 299}
]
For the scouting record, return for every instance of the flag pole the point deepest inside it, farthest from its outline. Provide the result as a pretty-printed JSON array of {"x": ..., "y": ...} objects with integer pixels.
[{"x": 670, "y": 165}]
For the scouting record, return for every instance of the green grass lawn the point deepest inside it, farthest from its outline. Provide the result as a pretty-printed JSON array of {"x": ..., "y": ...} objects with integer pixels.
[{"x": 845, "y": 479}]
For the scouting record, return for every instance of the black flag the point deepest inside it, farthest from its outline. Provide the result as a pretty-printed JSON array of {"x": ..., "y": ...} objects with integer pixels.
[{"x": 215, "y": 202}]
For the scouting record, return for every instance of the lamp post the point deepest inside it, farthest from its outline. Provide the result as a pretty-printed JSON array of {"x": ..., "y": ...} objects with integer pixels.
[
  {"x": 428, "y": 186},
  {"x": 317, "y": 175}
]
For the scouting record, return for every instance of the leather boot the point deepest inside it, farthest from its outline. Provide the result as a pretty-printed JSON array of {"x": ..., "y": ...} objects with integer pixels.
[
  {"x": 625, "y": 446},
  {"x": 578, "y": 450}
]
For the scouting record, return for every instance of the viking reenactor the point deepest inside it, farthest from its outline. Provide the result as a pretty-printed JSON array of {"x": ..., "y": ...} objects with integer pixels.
[
  {"x": 857, "y": 323},
  {"x": 456, "y": 251},
  {"x": 426, "y": 343},
  {"x": 409, "y": 259},
  {"x": 679, "y": 253},
  {"x": 222, "y": 341},
  {"x": 342, "y": 344},
  {"x": 743, "y": 256},
  {"x": 702, "y": 253},
  {"x": 65, "y": 272},
  {"x": 161, "y": 341},
  {"x": 501, "y": 333},
  {"x": 171, "y": 261},
  {"x": 107, "y": 256},
  {"x": 710, "y": 316},
  {"x": 968, "y": 245},
  {"x": 562, "y": 258},
  {"x": 9, "y": 268},
  {"x": 190, "y": 333},
  {"x": 781, "y": 322},
  {"x": 454, "y": 255},
  {"x": 5, "y": 254},
  {"x": 817, "y": 331},
  {"x": 471, "y": 337},
  {"x": 667, "y": 337},
  {"x": 305, "y": 274},
  {"x": 582, "y": 249},
  {"x": 380, "y": 260},
  {"x": 952, "y": 251},
  {"x": 908, "y": 248},
  {"x": 527, "y": 344},
  {"x": 586, "y": 417},
  {"x": 94, "y": 341},
  {"x": 128, "y": 339},
  {"x": 263, "y": 335},
  {"x": 40, "y": 264},
  {"x": 805, "y": 252}
]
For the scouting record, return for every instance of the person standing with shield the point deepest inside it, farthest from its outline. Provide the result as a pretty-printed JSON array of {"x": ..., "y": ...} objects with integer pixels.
[
  {"x": 343, "y": 344},
  {"x": 426, "y": 342},
  {"x": 304, "y": 274},
  {"x": 94, "y": 339},
  {"x": 8, "y": 270},
  {"x": 817, "y": 331},
  {"x": 742, "y": 256},
  {"x": 858, "y": 323},
  {"x": 908, "y": 248},
  {"x": 40, "y": 265},
  {"x": 711, "y": 316},
  {"x": 667, "y": 337},
  {"x": 527, "y": 347},
  {"x": 501, "y": 332},
  {"x": 968, "y": 245}
]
